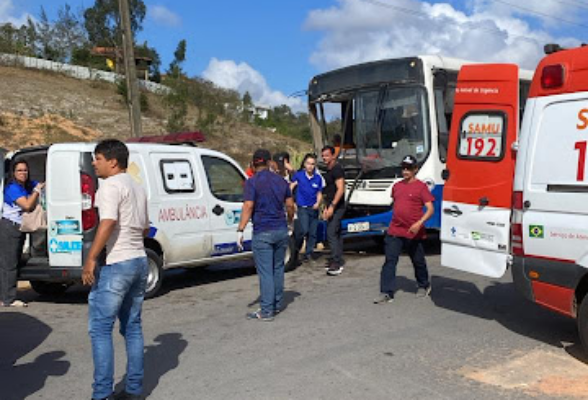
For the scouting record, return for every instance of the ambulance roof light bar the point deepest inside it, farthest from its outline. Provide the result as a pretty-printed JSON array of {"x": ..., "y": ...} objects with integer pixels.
[{"x": 551, "y": 48}]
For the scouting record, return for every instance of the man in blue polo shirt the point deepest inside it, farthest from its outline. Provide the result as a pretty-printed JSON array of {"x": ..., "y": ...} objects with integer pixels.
[
  {"x": 308, "y": 199},
  {"x": 266, "y": 193}
]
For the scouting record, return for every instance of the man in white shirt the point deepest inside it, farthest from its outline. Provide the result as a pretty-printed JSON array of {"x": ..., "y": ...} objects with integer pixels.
[{"x": 118, "y": 288}]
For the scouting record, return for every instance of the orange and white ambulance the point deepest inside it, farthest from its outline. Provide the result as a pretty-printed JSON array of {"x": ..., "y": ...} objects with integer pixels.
[{"x": 519, "y": 197}]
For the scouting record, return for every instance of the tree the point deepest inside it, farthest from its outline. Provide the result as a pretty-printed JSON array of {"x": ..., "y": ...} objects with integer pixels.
[
  {"x": 45, "y": 33},
  {"x": 175, "y": 67},
  {"x": 68, "y": 31},
  {"x": 247, "y": 100},
  {"x": 102, "y": 21}
]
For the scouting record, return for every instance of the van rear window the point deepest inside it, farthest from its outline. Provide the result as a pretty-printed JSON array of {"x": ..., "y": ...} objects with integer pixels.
[{"x": 482, "y": 134}]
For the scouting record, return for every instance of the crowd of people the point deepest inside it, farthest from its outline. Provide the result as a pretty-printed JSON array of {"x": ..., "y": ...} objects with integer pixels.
[
  {"x": 118, "y": 286},
  {"x": 270, "y": 205}
]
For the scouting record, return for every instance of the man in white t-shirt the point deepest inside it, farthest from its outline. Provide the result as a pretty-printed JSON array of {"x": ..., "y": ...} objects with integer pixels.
[{"x": 118, "y": 288}]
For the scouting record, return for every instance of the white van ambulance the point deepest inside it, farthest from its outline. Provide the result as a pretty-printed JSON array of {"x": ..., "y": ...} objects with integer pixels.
[
  {"x": 522, "y": 200},
  {"x": 195, "y": 198}
]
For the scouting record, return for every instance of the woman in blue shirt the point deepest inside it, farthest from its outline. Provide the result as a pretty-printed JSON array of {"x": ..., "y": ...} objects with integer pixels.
[
  {"x": 20, "y": 195},
  {"x": 308, "y": 200}
]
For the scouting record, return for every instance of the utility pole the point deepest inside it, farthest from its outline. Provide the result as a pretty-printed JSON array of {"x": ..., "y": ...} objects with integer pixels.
[{"x": 133, "y": 96}]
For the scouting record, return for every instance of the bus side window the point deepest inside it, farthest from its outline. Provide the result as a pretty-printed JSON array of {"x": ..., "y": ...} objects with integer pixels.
[{"x": 442, "y": 124}]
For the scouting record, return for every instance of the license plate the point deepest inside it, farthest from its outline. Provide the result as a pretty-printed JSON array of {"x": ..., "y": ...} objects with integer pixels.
[{"x": 358, "y": 227}]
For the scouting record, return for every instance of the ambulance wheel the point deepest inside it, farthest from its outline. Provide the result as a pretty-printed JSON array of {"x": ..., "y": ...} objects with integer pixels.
[
  {"x": 291, "y": 258},
  {"x": 49, "y": 288},
  {"x": 583, "y": 323},
  {"x": 154, "y": 274}
]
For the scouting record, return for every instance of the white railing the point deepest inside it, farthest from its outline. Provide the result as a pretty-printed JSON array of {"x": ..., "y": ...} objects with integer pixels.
[{"x": 76, "y": 71}]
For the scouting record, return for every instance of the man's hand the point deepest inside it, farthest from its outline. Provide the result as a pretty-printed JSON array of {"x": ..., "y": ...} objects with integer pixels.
[
  {"x": 316, "y": 206},
  {"x": 88, "y": 277},
  {"x": 240, "y": 241},
  {"x": 416, "y": 227},
  {"x": 328, "y": 213}
]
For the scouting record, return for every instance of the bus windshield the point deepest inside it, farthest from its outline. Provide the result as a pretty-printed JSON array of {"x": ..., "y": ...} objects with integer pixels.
[{"x": 390, "y": 124}]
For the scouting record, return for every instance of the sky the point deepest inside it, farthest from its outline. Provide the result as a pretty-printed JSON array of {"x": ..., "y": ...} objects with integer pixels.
[{"x": 272, "y": 48}]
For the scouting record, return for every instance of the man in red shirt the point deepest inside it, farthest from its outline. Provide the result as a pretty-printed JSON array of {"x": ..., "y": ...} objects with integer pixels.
[{"x": 407, "y": 230}]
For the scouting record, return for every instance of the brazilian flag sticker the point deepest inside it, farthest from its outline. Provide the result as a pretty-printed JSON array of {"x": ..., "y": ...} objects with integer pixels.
[{"x": 536, "y": 231}]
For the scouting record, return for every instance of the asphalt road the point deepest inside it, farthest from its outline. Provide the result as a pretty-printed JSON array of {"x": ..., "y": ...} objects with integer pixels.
[{"x": 475, "y": 338}]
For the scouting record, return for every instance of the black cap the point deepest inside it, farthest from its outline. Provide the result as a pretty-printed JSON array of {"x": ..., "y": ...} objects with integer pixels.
[
  {"x": 409, "y": 161},
  {"x": 261, "y": 157}
]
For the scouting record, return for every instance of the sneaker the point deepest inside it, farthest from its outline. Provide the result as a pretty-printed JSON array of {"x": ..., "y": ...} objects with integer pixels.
[
  {"x": 384, "y": 298},
  {"x": 304, "y": 259},
  {"x": 258, "y": 316},
  {"x": 16, "y": 303},
  {"x": 334, "y": 270},
  {"x": 423, "y": 291}
]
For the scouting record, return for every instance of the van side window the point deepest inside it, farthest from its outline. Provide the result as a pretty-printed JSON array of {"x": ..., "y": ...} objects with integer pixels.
[
  {"x": 225, "y": 181},
  {"x": 177, "y": 176},
  {"x": 481, "y": 137}
]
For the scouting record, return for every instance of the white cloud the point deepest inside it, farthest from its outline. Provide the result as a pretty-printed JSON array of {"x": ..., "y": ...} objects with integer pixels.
[
  {"x": 365, "y": 30},
  {"x": 164, "y": 16},
  {"x": 7, "y": 15},
  {"x": 243, "y": 78}
]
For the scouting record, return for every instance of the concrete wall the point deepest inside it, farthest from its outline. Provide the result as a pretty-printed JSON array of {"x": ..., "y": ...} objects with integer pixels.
[{"x": 75, "y": 71}]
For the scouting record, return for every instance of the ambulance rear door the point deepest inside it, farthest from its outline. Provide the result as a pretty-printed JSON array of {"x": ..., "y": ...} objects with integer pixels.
[{"x": 477, "y": 198}]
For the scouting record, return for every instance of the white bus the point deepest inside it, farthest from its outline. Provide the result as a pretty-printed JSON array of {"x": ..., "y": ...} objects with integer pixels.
[{"x": 383, "y": 111}]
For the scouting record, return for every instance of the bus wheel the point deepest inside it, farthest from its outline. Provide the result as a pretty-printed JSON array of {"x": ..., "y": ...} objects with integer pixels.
[
  {"x": 583, "y": 323},
  {"x": 49, "y": 288},
  {"x": 154, "y": 274}
]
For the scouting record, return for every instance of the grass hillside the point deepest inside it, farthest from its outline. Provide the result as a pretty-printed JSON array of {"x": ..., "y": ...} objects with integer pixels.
[{"x": 38, "y": 107}]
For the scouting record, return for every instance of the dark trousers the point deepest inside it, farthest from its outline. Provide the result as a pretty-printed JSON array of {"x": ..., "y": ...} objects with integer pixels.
[
  {"x": 306, "y": 227},
  {"x": 11, "y": 244},
  {"x": 393, "y": 247},
  {"x": 334, "y": 236}
]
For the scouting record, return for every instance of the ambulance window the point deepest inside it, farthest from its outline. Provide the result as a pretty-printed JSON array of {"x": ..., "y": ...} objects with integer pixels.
[
  {"x": 177, "y": 176},
  {"x": 482, "y": 135},
  {"x": 225, "y": 181}
]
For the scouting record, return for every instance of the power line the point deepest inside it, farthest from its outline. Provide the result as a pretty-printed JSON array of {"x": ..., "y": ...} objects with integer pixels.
[
  {"x": 531, "y": 11},
  {"x": 473, "y": 25},
  {"x": 572, "y": 3}
]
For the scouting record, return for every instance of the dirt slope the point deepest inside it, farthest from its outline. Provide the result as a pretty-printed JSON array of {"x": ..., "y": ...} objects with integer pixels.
[{"x": 38, "y": 107}]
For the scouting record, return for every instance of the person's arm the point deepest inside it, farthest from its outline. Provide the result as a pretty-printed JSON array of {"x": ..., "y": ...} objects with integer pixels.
[
  {"x": 330, "y": 210},
  {"x": 319, "y": 200},
  {"x": 246, "y": 213},
  {"x": 105, "y": 229},
  {"x": 290, "y": 209},
  {"x": 293, "y": 185},
  {"x": 428, "y": 214},
  {"x": 28, "y": 203}
]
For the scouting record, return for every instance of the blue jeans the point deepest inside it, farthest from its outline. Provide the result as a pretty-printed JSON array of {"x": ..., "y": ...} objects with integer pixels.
[
  {"x": 118, "y": 292},
  {"x": 269, "y": 250},
  {"x": 307, "y": 225},
  {"x": 393, "y": 247}
]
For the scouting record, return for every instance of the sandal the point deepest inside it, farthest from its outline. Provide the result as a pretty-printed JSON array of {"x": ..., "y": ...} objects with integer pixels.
[{"x": 16, "y": 303}]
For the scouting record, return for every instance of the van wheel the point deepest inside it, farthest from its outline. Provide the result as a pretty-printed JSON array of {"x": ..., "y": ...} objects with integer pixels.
[
  {"x": 49, "y": 288},
  {"x": 154, "y": 274},
  {"x": 291, "y": 258},
  {"x": 583, "y": 323}
]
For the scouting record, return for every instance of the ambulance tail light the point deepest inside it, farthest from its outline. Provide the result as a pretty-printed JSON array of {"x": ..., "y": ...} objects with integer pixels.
[
  {"x": 552, "y": 76},
  {"x": 517, "y": 201},
  {"x": 89, "y": 215},
  {"x": 516, "y": 239},
  {"x": 516, "y": 229}
]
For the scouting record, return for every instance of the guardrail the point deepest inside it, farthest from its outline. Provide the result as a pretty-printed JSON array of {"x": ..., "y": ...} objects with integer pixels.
[{"x": 76, "y": 71}]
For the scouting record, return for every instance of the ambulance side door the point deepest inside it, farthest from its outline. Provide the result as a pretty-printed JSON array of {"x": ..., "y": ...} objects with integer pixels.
[{"x": 477, "y": 199}]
